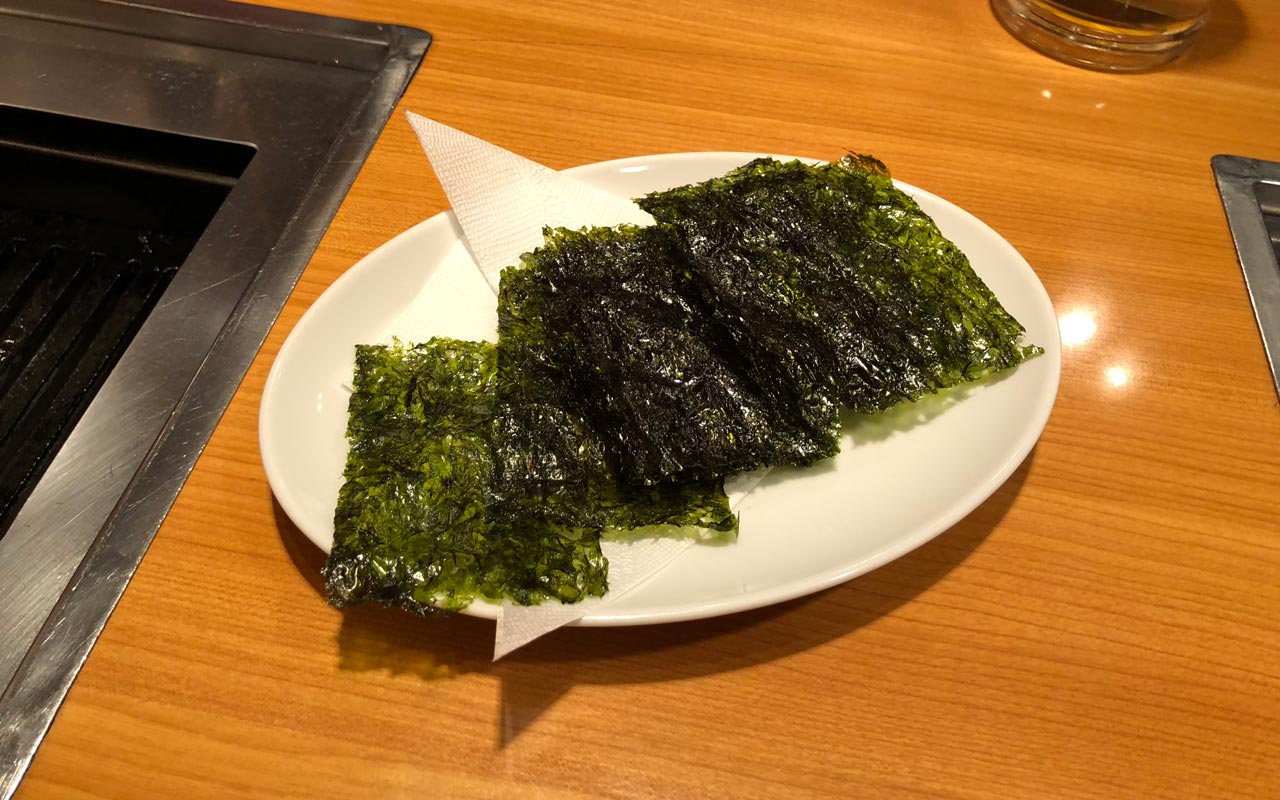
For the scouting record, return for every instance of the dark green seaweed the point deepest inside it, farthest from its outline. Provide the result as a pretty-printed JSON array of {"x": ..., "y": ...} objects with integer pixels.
[
  {"x": 728, "y": 336},
  {"x": 838, "y": 280},
  {"x": 411, "y": 527},
  {"x": 602, "y": 324},
  {"x": 419, "y": 524}
]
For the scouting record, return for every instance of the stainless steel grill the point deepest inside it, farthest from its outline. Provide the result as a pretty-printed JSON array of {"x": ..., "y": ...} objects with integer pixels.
[
  {"x": 74, "y": 292},
  {"x": 167, "y": 168},
  {"x": 1250, "y": 191},
  {"x": 95, "y": 220},
  {"x": 1268, "y": 195}
]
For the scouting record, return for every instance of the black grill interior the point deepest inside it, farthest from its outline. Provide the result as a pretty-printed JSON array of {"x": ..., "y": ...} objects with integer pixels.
[
  {"x": 1268, "y": 195},
  {"x": 95, "y": 220}
]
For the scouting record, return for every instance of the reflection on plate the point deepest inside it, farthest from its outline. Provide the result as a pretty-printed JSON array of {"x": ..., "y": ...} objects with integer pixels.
[{"x": 901, "y": 478}]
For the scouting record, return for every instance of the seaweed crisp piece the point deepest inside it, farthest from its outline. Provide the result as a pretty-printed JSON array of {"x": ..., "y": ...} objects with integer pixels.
[
  {"x": 838, "y": 279},
  {"x": 549, "y": 466},
  {"x": 419, "y": 523},
  {"x": 601, "y": 340},
  {"x": 411, "y": 527}
]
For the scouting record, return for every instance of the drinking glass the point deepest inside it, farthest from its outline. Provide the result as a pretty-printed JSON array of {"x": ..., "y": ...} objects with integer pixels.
[{"x": 1114, "y": 35}]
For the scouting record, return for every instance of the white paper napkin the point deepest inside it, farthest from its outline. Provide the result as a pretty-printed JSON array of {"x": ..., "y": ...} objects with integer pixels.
[{"x": 502, "y": 201}]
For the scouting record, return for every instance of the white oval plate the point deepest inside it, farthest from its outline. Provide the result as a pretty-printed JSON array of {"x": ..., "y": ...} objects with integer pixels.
[{"x": 897, "y": 483}]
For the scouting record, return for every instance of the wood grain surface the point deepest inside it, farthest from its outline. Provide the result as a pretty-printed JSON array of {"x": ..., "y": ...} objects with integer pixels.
[{"x": 1105, "y": 626}]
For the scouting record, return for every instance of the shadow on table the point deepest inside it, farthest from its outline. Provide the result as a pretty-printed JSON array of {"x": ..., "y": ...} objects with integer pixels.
[{"x": 536, "y": 676}]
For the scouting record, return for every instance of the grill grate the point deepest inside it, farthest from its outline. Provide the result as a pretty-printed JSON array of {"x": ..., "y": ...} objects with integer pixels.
[
  {"x": 95, "y": 221},
  {"x": 1268, "y": 195},
  {"x": 73, "y": 291}
]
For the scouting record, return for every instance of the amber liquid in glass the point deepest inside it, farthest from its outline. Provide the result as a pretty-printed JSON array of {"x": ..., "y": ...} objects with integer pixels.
[
  {"x": 1118, "y": 35},
  {"x": 1170, "y": 17}
]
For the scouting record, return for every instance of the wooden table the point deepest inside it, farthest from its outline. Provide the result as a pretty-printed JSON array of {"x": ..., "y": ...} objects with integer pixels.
[{"x": 1105, "y": 626}]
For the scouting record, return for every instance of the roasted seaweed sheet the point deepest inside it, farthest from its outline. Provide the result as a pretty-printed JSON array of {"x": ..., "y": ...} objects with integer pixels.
[
  {"x": 836, "y": 279},
  {"x": 604, "y": 324},
  {"x": 419, "y": 523}
]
